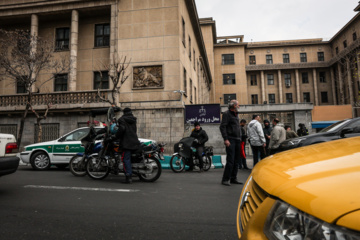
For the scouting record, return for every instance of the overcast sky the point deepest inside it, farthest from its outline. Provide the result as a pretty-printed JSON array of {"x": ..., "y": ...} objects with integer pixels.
[{"x": 264, "y": 20}]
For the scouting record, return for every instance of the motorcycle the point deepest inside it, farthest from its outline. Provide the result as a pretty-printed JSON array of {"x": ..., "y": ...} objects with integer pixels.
[
  {"x": 184, "y": 153},
  {"x": 78, "y": 162},
  {"x": 145, "y": 161}
]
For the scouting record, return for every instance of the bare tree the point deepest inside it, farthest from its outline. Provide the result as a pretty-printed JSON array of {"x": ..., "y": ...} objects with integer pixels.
[
  {"x": 38, "y": 120},
  {"x": 23, "y": 57},
  {"x": 118, "y": 76}
]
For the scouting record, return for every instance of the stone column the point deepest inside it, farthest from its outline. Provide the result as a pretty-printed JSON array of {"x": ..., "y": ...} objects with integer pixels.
[
  {"x": 262, "y": 87},
  {"x": 73, "y": 49},
  {"x": 341, "y": 86},
  {"x": 316, "y": 97},
  {"x": 297, "y": 86},
  {"x": 280, "y": 87},
  {"x": 333, "y": 86},
  {"x": 34, "y": 30},
  {"x": 350, "y": 85}
]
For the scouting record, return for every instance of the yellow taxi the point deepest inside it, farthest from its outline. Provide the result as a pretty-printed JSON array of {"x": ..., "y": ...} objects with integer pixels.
[{"x": 307, "y": 193}]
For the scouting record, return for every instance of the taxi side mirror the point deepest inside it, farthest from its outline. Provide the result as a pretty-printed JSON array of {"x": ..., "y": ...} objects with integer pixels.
[{"x": 345, "y": 131}]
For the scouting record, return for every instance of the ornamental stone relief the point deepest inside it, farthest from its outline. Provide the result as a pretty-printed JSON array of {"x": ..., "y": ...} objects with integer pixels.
[{"x": 147, "y": 77}]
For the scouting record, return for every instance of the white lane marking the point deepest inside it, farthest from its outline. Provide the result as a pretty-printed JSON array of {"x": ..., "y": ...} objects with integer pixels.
[{"x": 82, "y": 188}]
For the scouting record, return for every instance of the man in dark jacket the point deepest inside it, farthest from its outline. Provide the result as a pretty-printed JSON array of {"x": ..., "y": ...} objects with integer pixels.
[
  {"x": 128, "y": 140},
  {"x": 231, "y": 133},
  {"x": 200, "y": 139},
  {"x": 243, "y": 163},
  {"x": 267, "y": 133},
  {"x": 302, "y": 131}
]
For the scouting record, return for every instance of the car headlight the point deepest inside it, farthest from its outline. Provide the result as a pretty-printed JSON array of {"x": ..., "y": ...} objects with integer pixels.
[
  {"x": 286, "y": 222},
  {"x": 293, "y": 142}
]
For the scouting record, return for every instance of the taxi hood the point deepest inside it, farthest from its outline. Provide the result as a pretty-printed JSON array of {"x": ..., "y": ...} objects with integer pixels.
[{"x": 322, "y": 179}]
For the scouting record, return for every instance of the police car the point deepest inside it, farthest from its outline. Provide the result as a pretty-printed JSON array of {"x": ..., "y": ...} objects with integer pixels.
[{"x": 58, "y": 152}]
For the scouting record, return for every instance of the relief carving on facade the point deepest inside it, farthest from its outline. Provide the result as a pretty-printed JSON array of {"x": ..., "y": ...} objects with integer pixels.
[{"x": 147, "y": 77}]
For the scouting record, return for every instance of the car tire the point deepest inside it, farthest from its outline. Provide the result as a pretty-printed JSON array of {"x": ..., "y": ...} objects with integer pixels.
[{"x": 40, "y": 161}]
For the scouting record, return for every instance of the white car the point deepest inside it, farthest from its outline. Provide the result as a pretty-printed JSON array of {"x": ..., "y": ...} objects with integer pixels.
[
  {"x": 8, "y": 150},
  {"x": 58, "y": 152}
]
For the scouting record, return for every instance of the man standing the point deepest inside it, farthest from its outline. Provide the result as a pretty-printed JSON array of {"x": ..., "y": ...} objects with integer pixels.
[
  {"x": 256, "y": 138},
  {"x": 230, "y": 131},
  {"x": 128, "y": 140},
  {"x": 200, "y": 139},
  {"x": 267, "y": 133},
  {"x": 278, "y": 135},
  {"x": 243, "y": 142},
  {"x": 302, "y": 131}
]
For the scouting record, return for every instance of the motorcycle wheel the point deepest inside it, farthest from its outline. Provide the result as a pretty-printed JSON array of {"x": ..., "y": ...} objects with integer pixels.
[
  {"x": 77, "y": 166},
  {"x": 207, "y": 163},
  {"x": 152, "y": 170},
  {"x": 177, "y": 163},
  {"x": 97, "y": 168}
]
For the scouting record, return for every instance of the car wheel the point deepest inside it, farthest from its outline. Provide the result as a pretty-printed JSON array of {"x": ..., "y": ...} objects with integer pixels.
[{"x": 40, "y": 161}]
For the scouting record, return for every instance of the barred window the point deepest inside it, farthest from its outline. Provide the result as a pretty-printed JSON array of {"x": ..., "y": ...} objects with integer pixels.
[
  {"x": 9, "y": 129},
  {"x": 303, "y": 57},
  {"x": 269, "y": 59},
  {"x": 62, "y": 39},
  {"x": 61, "y": 82},
  {"x": 305, "y": 77},
  {"x": 270, "y": 78},
  {"x": 286, "y": 58},
  {"x": 271, "y": 98},
  {"x": 289, "y": 98},
  {"x": 50, "y": 131},
  {"x": 101, "y": 80},
  {"x": 229, "y": 79},
  {"x": 228, "y": 59},
  {"x": 321, "y": 57}
]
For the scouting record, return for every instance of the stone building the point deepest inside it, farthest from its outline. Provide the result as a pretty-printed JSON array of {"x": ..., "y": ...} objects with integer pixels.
[{"x": 177, "y": 59}]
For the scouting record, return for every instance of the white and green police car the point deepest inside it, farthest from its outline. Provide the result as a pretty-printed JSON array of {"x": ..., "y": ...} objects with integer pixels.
[{"x": 57, "y": 152}]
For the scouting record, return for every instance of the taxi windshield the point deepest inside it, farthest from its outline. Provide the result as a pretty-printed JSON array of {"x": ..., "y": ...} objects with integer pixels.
[{"x": 335, "y": 126}]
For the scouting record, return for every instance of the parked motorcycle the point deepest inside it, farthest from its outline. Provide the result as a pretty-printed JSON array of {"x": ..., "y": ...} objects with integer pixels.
[
  {"x": 78, "y": 162},
  {"x": 145, "y": 161},
  {"x": 184, "y": 153}
]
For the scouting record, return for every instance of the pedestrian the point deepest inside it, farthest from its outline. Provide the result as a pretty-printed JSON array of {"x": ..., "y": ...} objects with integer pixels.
[
  {"x": 256, "y": 138},
  {"x": 278, "y": 135},
  {"x": 200, "y": 139},
  {"x": 128, "y": 140},
  {"x": 302, "y": 131},
  {"x": 230, "y": 131},
  {"x": 242, "y": 163},
  {"x": 290, "y": 133},
  {"x": 267, "y": 133}
]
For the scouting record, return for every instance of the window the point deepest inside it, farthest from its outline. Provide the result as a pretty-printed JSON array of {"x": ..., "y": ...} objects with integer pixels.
[
  {"x": 254, "y": 99},
  {"x": 194, "y": 59},
  {"x": 183, "y": 32},
  {"x": 270, "y": 78},
  {"x": 287, "y": 77},
  {"x": 229, "y": 97},
  {"x": 253, "y": 81},
  {"x": 229, "y": 79},
  {"x": 62, "y": 39},
  {"x": 321, "y": 56},
  {"x": 345, "y": 44},
  {"x": 102, "y": 35},
  {"x": 191, "y": 93},
  {"x": 337, "y": 50},
  {"x": 50, "y": 131},
  {"x": 271, "y": 98},
  {"x": 185, "y": 81},
  {"x": 228, "y": 59},
  {"x": 60, "y": 82},
  {"x": 303, "y": 57},
  {"x": 9, "y": 129},
  {"x": 195, "y": 99},
  {"x": 101, "y": 80},
  {"x": 252, "y": 60},
  {"x": 286, "y": 58},
  {"x": 190, "y": 48},
  {"x": 305, "y": 77},
  {"x": 20, "y": 86},
  {"x": 322, "y": 77},
  {"x": 324, "y": 97},
  {"x": 269, "y": 59},
  {"x": 306, "y": 96},
  {"x": 354, "y": 36},
  {"x": 289, "y": 98}
]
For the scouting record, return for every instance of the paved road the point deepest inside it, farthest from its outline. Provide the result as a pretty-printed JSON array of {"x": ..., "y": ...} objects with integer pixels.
[{"x": 57, "y": 205}]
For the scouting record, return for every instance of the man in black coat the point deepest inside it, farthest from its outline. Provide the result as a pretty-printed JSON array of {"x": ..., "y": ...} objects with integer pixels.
[
  {"x": 231, "y": 133},
  {"x": 200, "y": 139},
  {"x": 128, "y": 140}
]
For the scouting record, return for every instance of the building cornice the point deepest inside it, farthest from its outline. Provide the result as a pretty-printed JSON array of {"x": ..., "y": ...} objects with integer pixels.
[
  {"x": 194, "y": 18},
  {"x": 285, "y": 66}
]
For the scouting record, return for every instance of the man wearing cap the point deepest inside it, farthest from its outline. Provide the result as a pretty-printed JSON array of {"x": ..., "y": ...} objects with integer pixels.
[
  {"x": 128, "y": 140},
  {"x": 231, "y": 133},
  {"x": 200, "y": 139}
]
